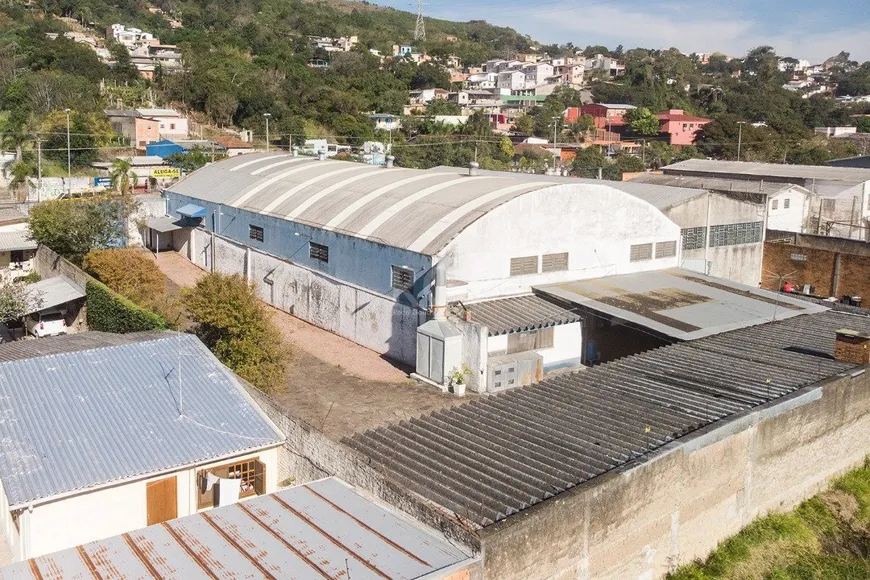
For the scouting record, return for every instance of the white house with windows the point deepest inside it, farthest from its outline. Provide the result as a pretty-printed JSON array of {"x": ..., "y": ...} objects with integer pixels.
[
  {"x": 107, "y": 433},
  {"x": 171, "y": 123}
]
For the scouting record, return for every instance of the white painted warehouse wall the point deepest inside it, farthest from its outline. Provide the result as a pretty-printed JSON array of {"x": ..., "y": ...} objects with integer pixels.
[
  {"x": 107, "y": 512},
  {"x": 595, "y": 224}
]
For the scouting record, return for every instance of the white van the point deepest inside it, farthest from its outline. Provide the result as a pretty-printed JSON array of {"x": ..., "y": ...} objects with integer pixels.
[{"x": 51, "y": 322}]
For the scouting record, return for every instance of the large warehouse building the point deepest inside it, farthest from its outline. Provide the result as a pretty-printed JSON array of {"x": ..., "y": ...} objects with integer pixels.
[{"x": 354, "y": 248}]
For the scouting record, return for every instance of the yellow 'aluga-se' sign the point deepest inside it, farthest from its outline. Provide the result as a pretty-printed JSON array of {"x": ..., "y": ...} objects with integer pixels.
[{"x": 165, "y": 172}]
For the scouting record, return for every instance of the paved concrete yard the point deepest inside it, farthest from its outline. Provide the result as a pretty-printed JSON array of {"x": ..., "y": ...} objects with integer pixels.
[{"x": 334, "y": 384}]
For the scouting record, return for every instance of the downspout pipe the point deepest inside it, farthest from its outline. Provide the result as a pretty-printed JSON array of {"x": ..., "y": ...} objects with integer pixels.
[{"x": 439, "y": 310}]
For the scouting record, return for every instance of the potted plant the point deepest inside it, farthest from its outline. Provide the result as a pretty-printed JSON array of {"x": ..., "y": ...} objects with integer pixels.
[{"x": 458, "y": 380}]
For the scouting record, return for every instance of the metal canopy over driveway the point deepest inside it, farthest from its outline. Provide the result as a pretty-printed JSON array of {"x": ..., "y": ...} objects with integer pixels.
[
  {"x": 54, "y": 292},
  {"x": 165, "y": 224},
  {"x": 678, "y": 303}
]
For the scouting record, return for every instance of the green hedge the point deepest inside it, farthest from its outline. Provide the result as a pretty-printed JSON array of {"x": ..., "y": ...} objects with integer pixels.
[{"x": 111, "y": 312}]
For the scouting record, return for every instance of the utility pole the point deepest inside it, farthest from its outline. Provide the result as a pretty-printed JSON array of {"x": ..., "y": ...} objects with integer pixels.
[
  {"x": 68, "y": 157},
  {"x": 555, "y": 127},
  {"x": 643, "y": 152},
  {"x": 739, "y": 138},
  {"x": 38, "y": 169},
  {"x": 266, "y": 116}
]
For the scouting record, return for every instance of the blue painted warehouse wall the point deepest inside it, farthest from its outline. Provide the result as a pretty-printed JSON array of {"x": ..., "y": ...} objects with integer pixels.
[
  {"x": 163, "y": 149},
  {"x": 354, "y": 260}
]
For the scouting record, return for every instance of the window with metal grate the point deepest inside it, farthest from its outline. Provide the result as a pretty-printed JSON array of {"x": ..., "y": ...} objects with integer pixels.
[
  {"x": 318, "y": 252},
  {"x": 524, "y": 265},
  {"x": 256, "y": 233},
  {"x": 554, "y": 262},
  {"x": 735, "y": 234},
  {"x": 402, "y": 278},
  {"x": 641, "y": 252},
  {"x": 666, "y": 249},
  {"x": 693, "y": 238}
]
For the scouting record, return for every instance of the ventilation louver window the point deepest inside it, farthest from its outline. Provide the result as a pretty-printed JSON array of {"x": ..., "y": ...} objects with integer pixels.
[
  {"x": 693, "y": 238},
  {"x": 318, "y": 252},
  {"x": 666, "y": 249},
  {"x": 402, "y": 278},
  {"x": 524, "y": 266},
  {"x": 641, "y": 252},
  {"x": 256, "y": 233},
  {"x": 735, "y": 234},
  {"x": 554, "y": 262}
]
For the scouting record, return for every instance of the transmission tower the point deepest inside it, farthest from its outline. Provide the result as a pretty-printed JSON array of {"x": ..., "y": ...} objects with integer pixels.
[{"x": 420, "y": 29}]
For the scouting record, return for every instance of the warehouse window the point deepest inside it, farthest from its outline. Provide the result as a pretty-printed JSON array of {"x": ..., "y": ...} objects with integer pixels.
[
  {"x": 256, "y": 233},
  {"x": 554, "y": 262},
  {"x": 829, "y": 205},
  {"x": 641, "y": 252},
  {"x": 786, "y": 203},
  {"x": 693, "y": 238},
  {"x": 666, "y": 249},
  {"x": 799, "y": 257},
  {"x": 774, "y": 204},
  {"x": 318, "y": 252},
  {"x": 524, "y": 265},
  {"x": 734, "y": 234},
  {"x": 402, "y": 278},
  {"x": 526, "y": 341}
]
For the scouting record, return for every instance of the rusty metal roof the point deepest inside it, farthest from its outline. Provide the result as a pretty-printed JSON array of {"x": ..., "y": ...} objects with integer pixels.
[
  {"x": 496, "y": 456},
  {"x": 318, "y": 530},
  {"x": 521, "y": 314},
  {"x": 679, "y": 303}
]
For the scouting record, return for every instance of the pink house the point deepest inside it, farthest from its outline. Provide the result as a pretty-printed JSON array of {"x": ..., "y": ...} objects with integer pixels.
[{"x": 681, "y": 128}]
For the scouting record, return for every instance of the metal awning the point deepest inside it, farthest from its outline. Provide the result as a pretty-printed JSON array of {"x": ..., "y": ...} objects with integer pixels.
[
  {"x": 521, "y": 314},
  {"x": 165, "y": 224},
  {"x": 16, "y": 240},
  {"x": 53, "y": 292},
  {"x": 192, "y": 211}
]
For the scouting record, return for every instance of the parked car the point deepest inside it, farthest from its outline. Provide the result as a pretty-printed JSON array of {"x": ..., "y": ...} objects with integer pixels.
[{"x": 51, "y": 322}]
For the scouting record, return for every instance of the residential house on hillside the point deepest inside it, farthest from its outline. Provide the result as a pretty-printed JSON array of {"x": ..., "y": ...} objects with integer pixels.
[
  {"x": 613, "y": 66},
  {"x": 171, "y": 123},
  {"x": 232, "y": 145},
  {"x": 682, "y": 129},
  {"x": 106, "y": 433},
  {"x": 138, "y": 128}
]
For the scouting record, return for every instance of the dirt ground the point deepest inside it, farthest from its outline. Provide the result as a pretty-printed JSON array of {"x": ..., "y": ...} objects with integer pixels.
[{"x": 335, "y": 385}]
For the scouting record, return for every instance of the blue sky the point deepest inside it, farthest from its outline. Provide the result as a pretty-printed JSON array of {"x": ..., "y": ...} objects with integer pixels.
[{"x": 806, "y": 29}]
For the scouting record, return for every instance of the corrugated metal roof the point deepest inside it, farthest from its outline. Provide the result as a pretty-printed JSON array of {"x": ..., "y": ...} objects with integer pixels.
[
  {"x": 54, "y": 292},
  {"x": 70, "y": 421},
  {"x": 659, "y": 196},
  {"x": 318, "y": 530},
  {"x": 717, "y": 183},
  {"x": 493, "y": 457},
  {"x": 16, "y": 240},
  {"x": 678, "y": 303},
  {"x": 752, "y": 169},
  {"x": 165, "y": 224},
  {"x": 22, "y": 349},
  {"x": 421, "y": 211},
  {"x": 520, "y": 313}
]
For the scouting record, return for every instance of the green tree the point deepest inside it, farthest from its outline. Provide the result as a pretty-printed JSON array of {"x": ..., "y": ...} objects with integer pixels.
[
  {"x": 74, "y": 227},
  {"x": 17, "y": 300},
  {"x": 190, "y": 160},
  {"x": 123, "y": 70},
  {"x": 863, "y": 124},
  {"x": 83, "y": 149},
  {"x": 124, "y": 179},
  {"x": 236, "y": 327},
  {"x": 643, "y": 122},
  {"x": 622, "y": 164},
  {"x": 587, "y": 162}
]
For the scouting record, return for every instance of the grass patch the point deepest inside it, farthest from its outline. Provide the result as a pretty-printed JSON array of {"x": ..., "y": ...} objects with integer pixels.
[{"x": 824, "y": 537}]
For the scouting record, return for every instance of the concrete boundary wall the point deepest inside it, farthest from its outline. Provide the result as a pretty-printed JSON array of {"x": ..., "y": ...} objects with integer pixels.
[
  {"x": 375, "y": 321},
  {"x": 677, "y": 504}
]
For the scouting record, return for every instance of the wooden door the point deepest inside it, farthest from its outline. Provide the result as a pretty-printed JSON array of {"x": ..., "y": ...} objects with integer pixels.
[{"x": 162, "y": 500}]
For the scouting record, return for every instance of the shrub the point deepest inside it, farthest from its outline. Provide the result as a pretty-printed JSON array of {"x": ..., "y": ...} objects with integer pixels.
[
  {"x": 128, "y": 272},
  {"x": 111, "y": 312},
  {"x": 238, "y": 329}
]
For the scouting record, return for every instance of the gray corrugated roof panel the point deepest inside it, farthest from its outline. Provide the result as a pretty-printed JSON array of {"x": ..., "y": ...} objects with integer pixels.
[
  {"x": 165, "y": 224},
  {"x": 54, "y": 292},
  {"x": 321, "y": 529},
  {"x": 520, "y": 314},
  {"x": 499, "y": 455},
  {"x": 774, "y": 170},
  {"x": 715, "y": 183},
  {"x": 659, "y": 196},
  {"x": 17, "y": 240},
  {"x": 11, "y": 215},
  {"x": 678, "y": 303},
  {"x": 422, "y": 211},
  {"x": 155, "y": 403}
]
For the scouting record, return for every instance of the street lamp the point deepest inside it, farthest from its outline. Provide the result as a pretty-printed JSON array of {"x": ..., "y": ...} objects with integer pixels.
[
  {"x": 739, "y": 137},
  {"x": 555, "y": 128},
  {"x": 267, "y": 116},
  {"x": 68, "y": 155}
]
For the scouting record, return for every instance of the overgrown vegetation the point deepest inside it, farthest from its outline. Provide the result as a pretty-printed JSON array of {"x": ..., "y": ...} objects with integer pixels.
[
  {"x": 134, "y": 274},
  {"x": 74, "y": 227},
  {"x": 825, "y": 537},
  {"x": 108, "y": 311},
  {"x": 238, "y": 329}
]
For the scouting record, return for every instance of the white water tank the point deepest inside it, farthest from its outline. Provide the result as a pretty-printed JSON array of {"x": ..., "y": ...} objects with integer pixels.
[{"x": 439, "y": 350}]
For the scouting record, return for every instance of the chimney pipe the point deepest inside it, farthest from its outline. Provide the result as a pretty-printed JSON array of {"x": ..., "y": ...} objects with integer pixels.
[
  {"x": 390, "y": 161},
  {"x": 472, "y": 168},
  {"x": 852, "y": 347},
  {"x": 439, "y": 309}
]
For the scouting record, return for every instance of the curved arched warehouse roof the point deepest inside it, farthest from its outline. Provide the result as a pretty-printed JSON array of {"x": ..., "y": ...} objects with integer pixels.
[{"x": 420, "y": 211}]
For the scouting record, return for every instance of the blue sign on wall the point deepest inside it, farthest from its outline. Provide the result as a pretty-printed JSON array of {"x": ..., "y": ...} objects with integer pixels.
[{"x": 102, "y": 182}]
